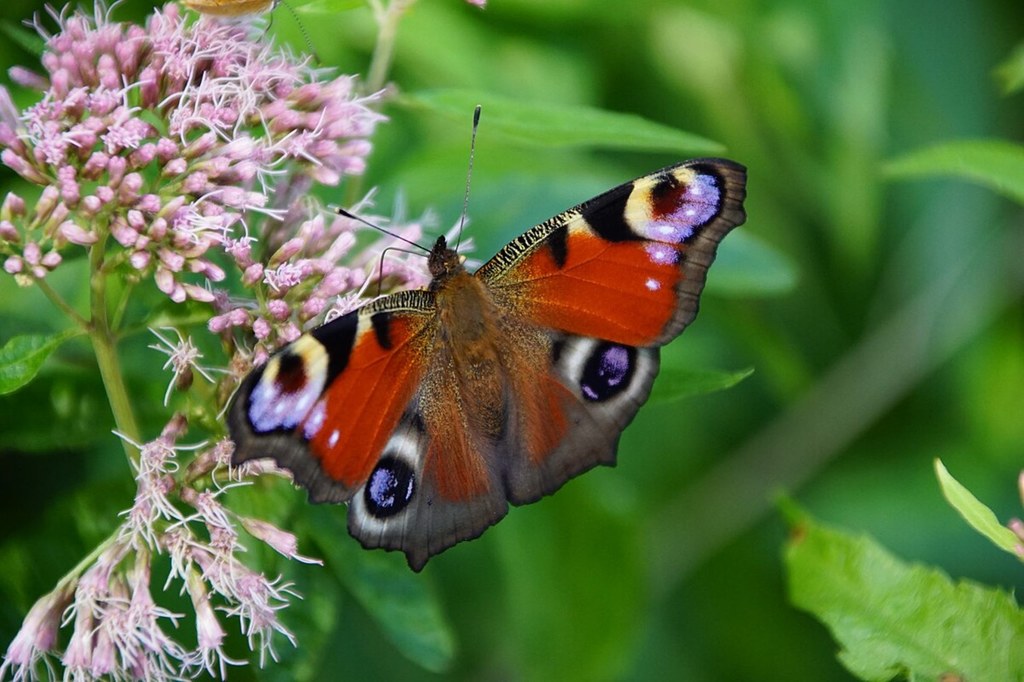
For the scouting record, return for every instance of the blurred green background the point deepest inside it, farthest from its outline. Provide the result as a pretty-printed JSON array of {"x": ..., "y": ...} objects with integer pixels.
[{"x": 883, "y": 318}]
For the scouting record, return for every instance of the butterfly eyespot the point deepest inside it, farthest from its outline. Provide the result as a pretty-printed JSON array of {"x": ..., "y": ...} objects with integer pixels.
[
  {"x": 680, "y": 206},
  {"x": 286, "y": 389},
  {"x": 608, "y": 371},
  {"x": 291, "y": 373},
  {"x": 390, "y": 487}
]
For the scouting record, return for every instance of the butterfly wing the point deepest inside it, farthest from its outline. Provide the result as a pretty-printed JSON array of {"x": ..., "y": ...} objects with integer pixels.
[
  {"x": 364, "y": 410},
  {"x": 433, "y": 485},
  {"x": 606, "y": 283},
  {"x": 325, "y": 405}
]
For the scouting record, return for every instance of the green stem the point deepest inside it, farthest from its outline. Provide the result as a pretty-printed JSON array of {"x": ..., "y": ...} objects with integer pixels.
[
  {"x": 88, "y": 560},
  {"x": 383, "y": 52},
  {"x": 63, "y": 305},
  {"x": 104, "y": 344}
]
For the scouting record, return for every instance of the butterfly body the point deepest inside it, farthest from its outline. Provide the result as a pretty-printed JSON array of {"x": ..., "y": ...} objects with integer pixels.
[{"x": 429, "y": 411}]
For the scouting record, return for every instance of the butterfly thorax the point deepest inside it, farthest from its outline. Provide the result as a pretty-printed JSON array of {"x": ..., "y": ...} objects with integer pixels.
[{"x": 470, "y": 338}]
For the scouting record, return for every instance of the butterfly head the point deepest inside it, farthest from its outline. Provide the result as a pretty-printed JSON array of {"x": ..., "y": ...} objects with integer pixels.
[{"x": 443, "y": 263}]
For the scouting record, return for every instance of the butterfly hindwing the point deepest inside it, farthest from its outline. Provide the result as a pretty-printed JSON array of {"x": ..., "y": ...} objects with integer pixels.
[
  {"x": 403, "y": 505},
  {"x": 590, "y": 393}
]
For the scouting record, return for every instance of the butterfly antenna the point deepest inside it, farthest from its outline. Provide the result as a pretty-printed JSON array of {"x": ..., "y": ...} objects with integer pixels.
[
  {"x": 469, "y": 175},
  {"x": 380, "y": 266},
  {"x": 342, "y": 212},
  {"x": 302, "y": 30}
]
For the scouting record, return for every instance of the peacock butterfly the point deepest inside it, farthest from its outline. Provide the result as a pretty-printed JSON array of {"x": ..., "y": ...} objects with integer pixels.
[{"x": 429, "y": 411}]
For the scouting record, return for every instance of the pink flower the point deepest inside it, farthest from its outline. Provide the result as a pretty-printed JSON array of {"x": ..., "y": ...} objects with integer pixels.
[
  {"x": 38, "y": 635},
  {"x": 255, "y": 600},
  {"x": 182, "y": 358},
  {"x": 209, "y": 655},
  {"x": 281, "y": 541},
  {"x": 240, "y": 115}
]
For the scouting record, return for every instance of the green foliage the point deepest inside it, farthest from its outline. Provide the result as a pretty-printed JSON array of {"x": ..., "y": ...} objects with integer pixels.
[
  {"x": 314, "y": 625},
  {"x": 675, "y": 383},
  {"x": 402, "y": 603},
  {"x": 554, "y": 125},
  {"x": 995, "y": 164},
  {"x": 1011, "y": 72},
  {"x": 65, "y": 411},
  {"x": 22, "y": 357},
  {"x": 573, "y": 627},
  {"x": 892, "y": 618},
  {"x": 748, "y": 266},
  {"x": 981, "y": 518},
  {"x": 23, "y": 37},
  {"x": 315, "y": 7}
]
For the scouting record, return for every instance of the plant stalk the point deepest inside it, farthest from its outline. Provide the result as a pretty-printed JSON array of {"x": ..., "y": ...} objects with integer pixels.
[
  {"x": 387, "y": 18},
  {"x": 104, "y": 344}
]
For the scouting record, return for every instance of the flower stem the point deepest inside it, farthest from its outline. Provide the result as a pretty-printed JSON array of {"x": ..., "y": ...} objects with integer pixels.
[
  {"x": 72, "y": 576},
  {"x": 59, "y": 301},
  {"x": 387, "y": 30},
  {"x": 104, "y": 344}
]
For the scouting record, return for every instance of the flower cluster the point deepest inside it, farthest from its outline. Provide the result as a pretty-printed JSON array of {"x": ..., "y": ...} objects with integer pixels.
[
  {"x": 117, "y": 627},
  {"x": 302, "y": 280},
  {"x": 165, "y": 141}
]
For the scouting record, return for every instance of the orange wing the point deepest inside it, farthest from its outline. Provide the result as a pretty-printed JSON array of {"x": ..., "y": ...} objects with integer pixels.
[
  {"x": 605, "y": 284},
  {"x": 325, "y": 405},
  {"x": 365, "y": 410},
  {"x": 629, "y": 265}
]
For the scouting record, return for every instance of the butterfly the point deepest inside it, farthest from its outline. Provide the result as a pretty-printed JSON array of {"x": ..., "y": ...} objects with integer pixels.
[
  {"x": 429, "y": 411},
  {"x": 230, "y": 8}
]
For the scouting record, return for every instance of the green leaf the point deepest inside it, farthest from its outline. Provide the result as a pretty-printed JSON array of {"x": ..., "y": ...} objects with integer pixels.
[
  {"x": 980, "y": 517},
  {"x": 1010, "y": 73},
  {"x": 65, "y": 412},
  {"x": 402, "y": 603},
  {"x": 676, "y": 383},
  {"x": 558, "y": 125},
  {"x": 892, "y": 618},
  {"x": 574, "y": 579},
  {"x": 30, "y": 41},
  {"x": 995, "y": 164},
  {"x": 746, "y": 266},
  {"x": 23, "y": 356}
]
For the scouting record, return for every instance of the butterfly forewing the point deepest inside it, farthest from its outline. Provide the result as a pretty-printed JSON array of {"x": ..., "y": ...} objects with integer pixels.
[
  {"x": 325, "y": 405},
  {"x": 629, "y": 265},
  {"x": 429, "y": 411}
]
